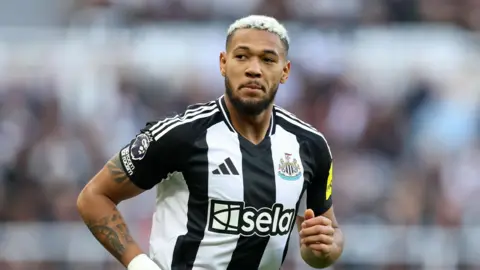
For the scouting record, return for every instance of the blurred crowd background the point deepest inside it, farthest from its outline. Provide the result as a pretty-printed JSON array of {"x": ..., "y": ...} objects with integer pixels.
[{"x": 393, "y": 84}]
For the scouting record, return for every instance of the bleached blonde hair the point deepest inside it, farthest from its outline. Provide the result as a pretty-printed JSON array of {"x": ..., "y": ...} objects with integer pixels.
[{"x": 260, "y": 22}]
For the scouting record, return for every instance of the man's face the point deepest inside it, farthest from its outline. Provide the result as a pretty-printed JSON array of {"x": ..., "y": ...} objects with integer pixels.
[{"x": 254, "y": 65}]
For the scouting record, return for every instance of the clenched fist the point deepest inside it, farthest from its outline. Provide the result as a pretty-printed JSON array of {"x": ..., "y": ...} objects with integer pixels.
[{"x": 317, "y": 234}]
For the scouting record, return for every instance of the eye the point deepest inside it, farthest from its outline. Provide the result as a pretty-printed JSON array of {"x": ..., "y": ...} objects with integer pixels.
[
  {"x": 268, "y": 60},
  {"x": 240, "y": 57}
]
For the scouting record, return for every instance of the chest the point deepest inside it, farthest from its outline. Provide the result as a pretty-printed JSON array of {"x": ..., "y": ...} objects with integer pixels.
[{"x": 263, "y": 176}]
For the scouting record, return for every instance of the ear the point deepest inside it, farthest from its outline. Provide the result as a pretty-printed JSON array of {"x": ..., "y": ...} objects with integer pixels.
[
  {"x": 285, "y": 73},
  {"x": 223, "y": 63}
]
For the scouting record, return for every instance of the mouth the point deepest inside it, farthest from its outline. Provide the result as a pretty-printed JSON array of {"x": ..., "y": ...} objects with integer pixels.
[{"x": 252, "y": 87}]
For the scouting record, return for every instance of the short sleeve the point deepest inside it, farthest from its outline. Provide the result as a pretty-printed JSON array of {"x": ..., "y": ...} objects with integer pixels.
[
  {"x": 318, "y": 195},
  {"x": 155, "y": 152}
]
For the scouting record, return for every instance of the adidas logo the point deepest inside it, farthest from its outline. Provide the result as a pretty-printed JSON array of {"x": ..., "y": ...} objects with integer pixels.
[{"x": 226, "y": 168}]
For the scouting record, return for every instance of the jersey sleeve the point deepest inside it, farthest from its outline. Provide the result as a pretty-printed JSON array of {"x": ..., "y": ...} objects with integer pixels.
[
  {"x": 155, "y": 152},
  {"x": 318, "y": 195}
]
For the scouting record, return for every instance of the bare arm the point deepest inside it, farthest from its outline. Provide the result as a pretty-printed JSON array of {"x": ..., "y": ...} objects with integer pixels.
[
  {"x": 97, "y": 204},
  {"x": 139, "y": 166},
  {"x": 336, "y": 250}
]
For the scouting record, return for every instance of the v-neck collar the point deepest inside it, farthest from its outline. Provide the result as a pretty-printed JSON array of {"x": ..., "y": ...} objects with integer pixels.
[{"x": 226, "y": 117}]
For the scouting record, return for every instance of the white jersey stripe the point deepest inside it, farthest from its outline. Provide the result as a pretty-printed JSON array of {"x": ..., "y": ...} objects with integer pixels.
[
  {"x": 215, "y": 251},
  {"x": 166, "y": 123},
  {"x": 200, "y": 107},
  {"x": 186, "y": 111},
  {"x": 305, "y": 127},
  {"x": 178, "y": 122}
]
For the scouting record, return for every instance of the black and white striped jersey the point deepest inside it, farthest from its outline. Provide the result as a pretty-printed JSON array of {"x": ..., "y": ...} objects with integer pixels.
[{"x": 223, "y": 202}]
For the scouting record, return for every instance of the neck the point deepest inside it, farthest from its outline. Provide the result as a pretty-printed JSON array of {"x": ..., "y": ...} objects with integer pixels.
[{"x": 252, "y": 128}]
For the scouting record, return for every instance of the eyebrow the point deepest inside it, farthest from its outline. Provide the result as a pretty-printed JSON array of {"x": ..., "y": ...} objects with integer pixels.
[{"x": 264, "y": 51}]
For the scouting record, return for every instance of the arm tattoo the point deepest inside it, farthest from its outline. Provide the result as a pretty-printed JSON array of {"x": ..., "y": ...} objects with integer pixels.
[
  {"x": 115, "y": 167},
  {"x": 112, "y": 232}
]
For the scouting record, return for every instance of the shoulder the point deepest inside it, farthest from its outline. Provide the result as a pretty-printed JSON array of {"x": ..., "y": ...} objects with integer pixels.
[
  {"x": 192, "y": 121},
  {"x": 302, "y": 130}
]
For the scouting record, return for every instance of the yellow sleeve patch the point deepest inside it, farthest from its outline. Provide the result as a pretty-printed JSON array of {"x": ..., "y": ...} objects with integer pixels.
[{"x": 328, "y": 192}]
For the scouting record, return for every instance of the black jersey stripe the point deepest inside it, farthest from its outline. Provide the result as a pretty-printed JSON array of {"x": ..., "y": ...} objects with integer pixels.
[
  {"x": 259, "y": 189},
  {"x": 187, "y": 245}
]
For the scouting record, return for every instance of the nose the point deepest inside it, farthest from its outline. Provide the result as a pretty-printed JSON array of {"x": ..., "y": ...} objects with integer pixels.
[{"x": 253, "y": 70}]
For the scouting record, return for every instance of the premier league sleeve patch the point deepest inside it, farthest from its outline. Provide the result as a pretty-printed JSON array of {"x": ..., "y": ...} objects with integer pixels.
[{"x": 139, "y": 147}]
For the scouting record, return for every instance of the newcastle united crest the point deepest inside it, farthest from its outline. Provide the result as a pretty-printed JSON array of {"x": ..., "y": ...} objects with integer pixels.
[{"x": 289, "y": 169}]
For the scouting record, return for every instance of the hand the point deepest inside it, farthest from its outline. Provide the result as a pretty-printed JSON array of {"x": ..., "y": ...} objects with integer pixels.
[{"x": 317, "y": 234}]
